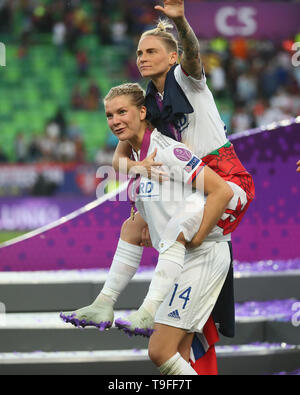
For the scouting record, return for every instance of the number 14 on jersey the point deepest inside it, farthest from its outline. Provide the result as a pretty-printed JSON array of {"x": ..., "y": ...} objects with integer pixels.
[{"x": 185, "y": 295}]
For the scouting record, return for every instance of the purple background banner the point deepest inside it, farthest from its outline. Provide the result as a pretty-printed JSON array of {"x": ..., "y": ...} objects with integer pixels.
[
  {"x": 87, "y": 241},
  {"x": 30, "y": 213},
  {"x": 270, "y": 229},
  {"x": 273, "y": 20}
]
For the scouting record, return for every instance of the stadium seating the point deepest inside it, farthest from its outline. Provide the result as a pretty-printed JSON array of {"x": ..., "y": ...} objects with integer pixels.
[{"x": 34, "y": 86}]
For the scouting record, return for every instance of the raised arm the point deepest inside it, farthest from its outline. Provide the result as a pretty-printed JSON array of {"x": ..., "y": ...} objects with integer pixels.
[
  {"x": 190, "y": 61},
  {"x": 218, "y": 194}
]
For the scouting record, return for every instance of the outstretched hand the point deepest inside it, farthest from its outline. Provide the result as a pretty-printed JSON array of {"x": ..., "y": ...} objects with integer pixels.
[
  {"x": 298, "y": 164},
  {"x": 172, "y": 9},
  {"x": 150, "y": 168}
]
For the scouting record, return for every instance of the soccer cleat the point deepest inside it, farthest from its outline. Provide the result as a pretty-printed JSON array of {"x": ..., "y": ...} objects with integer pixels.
[
  {"x": 138, "y": 323},
  {"x": 102, "y": 317}
]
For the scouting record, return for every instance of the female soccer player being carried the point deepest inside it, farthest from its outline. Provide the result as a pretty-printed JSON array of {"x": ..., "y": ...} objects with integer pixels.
[{"x": 171, "y": 225}]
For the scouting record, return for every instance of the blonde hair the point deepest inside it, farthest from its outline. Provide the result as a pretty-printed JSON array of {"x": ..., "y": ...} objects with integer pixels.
[
  {"x": 134, "y": 90},
  {"x": 161, "y": 32}
]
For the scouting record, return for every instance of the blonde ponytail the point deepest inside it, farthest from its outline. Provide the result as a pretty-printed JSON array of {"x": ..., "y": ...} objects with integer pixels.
[
  {"x": 163, "y": 25},
  {"x": 161, "y": 31}
]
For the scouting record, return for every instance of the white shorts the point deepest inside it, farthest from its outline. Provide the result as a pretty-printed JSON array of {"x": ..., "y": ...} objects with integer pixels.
[{"x": 195, "y": 293}]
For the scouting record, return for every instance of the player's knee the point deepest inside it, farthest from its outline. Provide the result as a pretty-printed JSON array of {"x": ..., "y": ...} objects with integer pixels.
[
  {"x": 159, "y": 355},
  {"x": 156, "y": 355},
  {"x": 131, "y": 231},
  {"x": 126, "y": 226},
  {"x": 228, "y": 192}
]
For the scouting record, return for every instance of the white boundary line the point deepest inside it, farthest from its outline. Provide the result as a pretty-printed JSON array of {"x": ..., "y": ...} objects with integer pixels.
[
  {"x": 67, "y": 218},
  {"x": 269, "y": 127},
  {"x": 131, "y": 355}
]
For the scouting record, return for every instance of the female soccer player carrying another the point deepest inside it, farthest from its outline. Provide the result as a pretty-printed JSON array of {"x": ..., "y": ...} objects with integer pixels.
[
  {"x": 171, "y": 225},
  {"x": 182, "y": 107}
]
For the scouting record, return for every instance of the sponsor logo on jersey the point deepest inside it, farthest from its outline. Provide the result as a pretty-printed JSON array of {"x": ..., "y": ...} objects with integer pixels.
[{"x": 146, "y": 187}]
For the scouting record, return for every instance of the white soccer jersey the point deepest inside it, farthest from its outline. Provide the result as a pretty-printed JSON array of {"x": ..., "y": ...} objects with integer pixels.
[
  {"x": 170, "y": 207},
  {"x": 202, "y": 131}
]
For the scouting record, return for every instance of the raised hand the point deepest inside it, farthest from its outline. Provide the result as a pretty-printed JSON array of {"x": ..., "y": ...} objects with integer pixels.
[
  {"x": 172, "y": 9},
  {"x": 190, "y": 59},
  {"x": 298, "y": 164}
]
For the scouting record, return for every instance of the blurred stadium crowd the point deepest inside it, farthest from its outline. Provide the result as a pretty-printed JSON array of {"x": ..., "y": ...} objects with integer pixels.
[{"x": 93, "y": 46}]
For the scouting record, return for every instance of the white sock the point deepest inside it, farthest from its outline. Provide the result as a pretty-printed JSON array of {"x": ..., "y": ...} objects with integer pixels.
[
  {"x": 124, "y": 266},
  {"x": 168, "y": 268},
  {"x": 176, "y": 365}
]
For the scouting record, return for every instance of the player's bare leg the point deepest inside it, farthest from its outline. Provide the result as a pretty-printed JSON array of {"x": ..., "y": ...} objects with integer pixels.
[
  {"x": 125, "y": 264},
  {"x": 164, "y": 350},
  {"x": 185, "y": 346}
]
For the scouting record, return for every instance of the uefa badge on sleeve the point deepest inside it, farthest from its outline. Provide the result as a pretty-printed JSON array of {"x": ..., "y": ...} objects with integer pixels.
[{"x": 182, "y": 154}]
